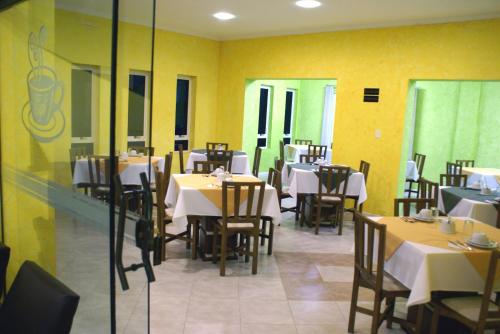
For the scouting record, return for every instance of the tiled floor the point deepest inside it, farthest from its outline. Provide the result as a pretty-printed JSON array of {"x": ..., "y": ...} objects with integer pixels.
[{"x": 304, "y": 287}]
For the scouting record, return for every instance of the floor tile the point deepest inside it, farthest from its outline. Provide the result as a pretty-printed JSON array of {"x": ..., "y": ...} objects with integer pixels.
[
  {"x": 267, "y": 329},
  {"x": 336, "y": 273},
  {"x": 267, "y": 312},
  {"x": 211, "y": 328},
  {"x": 213, "y": 310},
  {"x": 315, "y": 312}
]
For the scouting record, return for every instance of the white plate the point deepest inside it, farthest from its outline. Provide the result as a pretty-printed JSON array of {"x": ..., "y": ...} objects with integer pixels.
[
  {"x": 428, "y": 220},
  {"x": 490, "y": 245}
]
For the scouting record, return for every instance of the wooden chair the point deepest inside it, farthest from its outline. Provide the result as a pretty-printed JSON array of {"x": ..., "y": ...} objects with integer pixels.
[
  {"x": 256, "y": 161},
  {"x": 369, "y": 273},
  {"x": 164, "y": 217},
  {"x": 247, "y": 225},
  {"x": 207, "y": 167},
  {"x": 282, "y": 152},
  {"x": 330, "y": 194},
  {"x": 217, "y": 146},
  {"x": 100, "y": 175},
  {"x": 476, "y": 312},
  {"x": 465, "y": 163},
  {"x": 429, "y": 189},
  {"x": 308, "y": 159},
  {"x": 453, "y": 168},
  {"x": 224, "y": 156},
  {"x": 317, "y": 151},
  {"x": 303, "y": 142},
  {"x": 453, "y": 180},
  {"x": 167, "y": 169},
  {"x": 180, "y": 149},
  {"x": 77, "y": 153},
  {"x": 420, "y": 203},
  {"x": 364, "y": 167},
  {"x": 146, "y": 150},
  {"x": 420, "y": 162}
]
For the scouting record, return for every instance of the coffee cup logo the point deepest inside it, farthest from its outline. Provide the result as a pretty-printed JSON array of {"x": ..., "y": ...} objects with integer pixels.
[{"x": 42, "y": 115}]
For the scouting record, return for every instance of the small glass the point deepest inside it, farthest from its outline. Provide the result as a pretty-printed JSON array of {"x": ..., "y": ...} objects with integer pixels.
[
  {"x": 468, "y": 227},
  {"x": 435, "y": 213}
]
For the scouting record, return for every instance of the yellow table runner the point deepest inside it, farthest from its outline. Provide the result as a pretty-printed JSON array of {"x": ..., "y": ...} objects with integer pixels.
[
  {"x": 486, "y": 171},
  {"x": 399, "y": 231},
  {"x": 122, "y": 165},
  {"x": 207, "y": 186}
]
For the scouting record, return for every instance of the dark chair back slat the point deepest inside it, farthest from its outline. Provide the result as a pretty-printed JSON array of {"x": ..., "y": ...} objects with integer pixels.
[
  {"x": 221, "y": 156},
  {"x": 364, "y": 167},
  {"x": 180, "y": 149},
  {"x": 253, "y": 188},
  {"x": 428, "y": 189},
  {"x": 256, "y": 161},
  {"x": 453, "y": 168},
  {"x": 278, "y": 164},
  {"x": 453, "y": 180},
  {"x": 303, "y": 142},
  {"x": 282, "y": 152},
  {"x": 274, "y": 180},
  {"x": 307, "y": 159},
  {"x": 318, "y": 151},
  {"x": 217, "y": 146},
  {"x": 420, "y": 162},
  {"x": 336, "y": 179},
  {"x": 207, "y": 167},
  {"x": 419, "y": 203},
  {"x": 465, "y": 163}
]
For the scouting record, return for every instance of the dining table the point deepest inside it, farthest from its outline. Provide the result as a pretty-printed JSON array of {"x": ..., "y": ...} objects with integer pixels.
[
  {"x": 489, "y": 176},
  {"x": 302, "y": 178},
  {"x": 129, "y": 169},
  {"x": 469, "y": 202},
  {"x": 239, "y": 165},
  {"x": 294, "y": 151},
  {"x": 426, "y": 260}
]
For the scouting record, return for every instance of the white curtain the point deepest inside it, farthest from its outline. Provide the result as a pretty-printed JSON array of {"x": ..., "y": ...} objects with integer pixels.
[{"x": 328, "y": 116}]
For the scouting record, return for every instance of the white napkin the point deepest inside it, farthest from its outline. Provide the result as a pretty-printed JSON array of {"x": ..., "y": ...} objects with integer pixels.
[{"x": 217, "y": 171}]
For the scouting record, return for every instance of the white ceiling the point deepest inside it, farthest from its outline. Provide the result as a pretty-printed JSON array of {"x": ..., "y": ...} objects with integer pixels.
[{"x": 257, "y": 18}]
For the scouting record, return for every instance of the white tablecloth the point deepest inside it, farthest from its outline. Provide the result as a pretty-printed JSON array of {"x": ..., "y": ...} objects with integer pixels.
[
  {"x": 411, "y": 170},
  {"x": 485, "y": 212},
  {"x": 302, "y": 181},
  {"x": 188, "y": 201},
  {"x": 129, "y": 176},
  {"x": 424, "y": 269},
  {"x": 293, "y": 152},
  {"x": 490, "y": 176},
  {"x": 240, "y": 164}
]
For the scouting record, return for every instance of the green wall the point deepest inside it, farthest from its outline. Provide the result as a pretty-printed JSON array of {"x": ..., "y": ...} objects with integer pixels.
[
  {"x": 457, "y": 120},
  {"x": 307, "y": 115}
]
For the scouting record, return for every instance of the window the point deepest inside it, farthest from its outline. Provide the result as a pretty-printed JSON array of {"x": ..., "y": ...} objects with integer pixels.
[
  {"x": 138, "y": 107},
  {"x": 83, "y": 106},
  {"x": 289, "y": 109},
  {"x": 183, "y": 112},
  {"x": 264, "y": 111}
]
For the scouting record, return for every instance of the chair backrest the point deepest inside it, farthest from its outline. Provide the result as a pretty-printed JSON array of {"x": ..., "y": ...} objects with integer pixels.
[
  {"x": 369, "y": 245},
  {"x": 4, "y": 262},
  {"x": 253, "y": 211},
  {"x": 167, "y": 169},
  {"x": 317, "y": 150},
  {"x": 256, "y": 161},
  {"x": 274, "y": 180},
  {"x": 333, "y": 180},
  {"x": 307, "y": 159},
  {"x": 146, "y": 150},
  {"x": 428, "y": 189},
  {"x": 465, "y": 163},
  {"x": 278, "y": 164},
  {"x": 76, "y": 153},
  {"x": 303, "y": 141},
  {"x": 364, "y": 167},
  {"x": 282, "y": 152},
  {"x": 419, "y": 203},
  {"x": 453, "y": 168},
  {"x": 207, "y": 167},
  {"x": 161, "y": 192},
  {"x": 486, "y": 312},
  {"x": 217, "y": 146},
  {"x": 100, "y": 173},
  {"x": 453, "y": 180},
  {"x": 218, "y": 155},
  {"x": 420, "y": 162},
  {"x": 180, "y": 150},
  {"x": 37, "y": 303}
]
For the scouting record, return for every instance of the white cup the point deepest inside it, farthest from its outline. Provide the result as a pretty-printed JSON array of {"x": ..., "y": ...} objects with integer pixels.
[
  {"x": 479, "y": 238},
  {"x": 133, "y": 152},
  {"x": 486, "y": 191},
  {"x": 425, "y": 213},
  {"x": 447, "y": 226},
  {"x": 124, "y": 155}
]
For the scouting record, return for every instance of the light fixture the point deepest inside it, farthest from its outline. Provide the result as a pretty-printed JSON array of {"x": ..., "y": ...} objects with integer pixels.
[
  {"x": 308, "y": 3},
  {"x": 224, "y": 16}
]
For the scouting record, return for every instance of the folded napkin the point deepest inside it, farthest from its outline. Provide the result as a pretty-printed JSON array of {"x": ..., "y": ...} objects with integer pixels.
[{"x": 217, "y": 171}]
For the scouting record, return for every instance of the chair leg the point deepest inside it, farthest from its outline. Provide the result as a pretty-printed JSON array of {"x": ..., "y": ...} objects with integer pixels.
[
  {"x": 376, "y": 314},
  {"x": 255, "y": 252},
  {"x": 361, "y": 208},
  {"x": 420, "y": 317},
  {"x": 354, "y": 303},
  {"x": 318, "y": 218},
  {"x": 188, "y": 243},
  {"x": 262, "y": 238},
  {"x": 214, "y": 245},
  {"x": 298, "y": 205},
  {"x": 271, "y": 237},
  {"x": 302, "y": 210},
  {"x": 163, "y": 245},
  {"x": 194, "y": 241},
  {"x": 247, "y": 247},
  {"x": 435, "y": 320},
  {"x": 340, "y": 219},
  {"x": 390, "y": 302},
  {"x": 223, "y": 246}
]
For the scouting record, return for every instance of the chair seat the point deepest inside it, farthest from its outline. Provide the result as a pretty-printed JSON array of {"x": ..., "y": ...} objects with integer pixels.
[
  {"x": 236, "y": 225},
  {"x": 328, "y": 199},
  {"x": 391, "y": 284},
  {"x": 410, "y": 180},
  {"x": 468, "y": 307}
]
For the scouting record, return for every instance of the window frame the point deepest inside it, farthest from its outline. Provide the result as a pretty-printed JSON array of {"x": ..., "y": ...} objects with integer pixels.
[
  {"x": 147, "y": 97},
  {"x": 94, "y": 104},
  {"x": 268, "y": 115},
  {"x": 289, "y": 135},
  {"x": 186, "y": 137}
]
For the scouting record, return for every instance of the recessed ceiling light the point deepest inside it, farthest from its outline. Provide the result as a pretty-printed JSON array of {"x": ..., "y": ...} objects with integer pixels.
[
  {"x": 224, "y": 16},
  {"x": 308, "y": 3}
]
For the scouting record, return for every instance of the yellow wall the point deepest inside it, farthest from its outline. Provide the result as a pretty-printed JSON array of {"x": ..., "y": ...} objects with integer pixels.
[{"x": 383, "y": 58}]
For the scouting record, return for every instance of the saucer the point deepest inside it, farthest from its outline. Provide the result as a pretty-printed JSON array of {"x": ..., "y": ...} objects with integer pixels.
[
  {"x": 423, "y": 219},
  {"x": 490, "y": 245},
  {"x": 43, "y": 133}
]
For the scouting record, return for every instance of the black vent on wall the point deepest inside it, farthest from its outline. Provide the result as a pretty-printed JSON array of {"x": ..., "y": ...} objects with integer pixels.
[{"x": 371, "y": 95}]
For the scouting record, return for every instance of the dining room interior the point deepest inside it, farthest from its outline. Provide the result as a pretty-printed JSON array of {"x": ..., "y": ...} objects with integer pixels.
[{"x": 229, "y": 166}]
